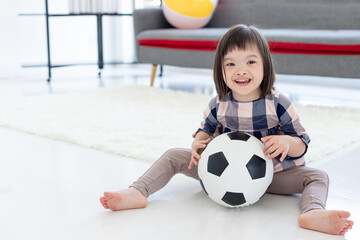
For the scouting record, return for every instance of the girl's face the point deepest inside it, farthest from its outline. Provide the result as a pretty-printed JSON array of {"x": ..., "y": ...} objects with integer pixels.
[{"x": 243, "y": 73}]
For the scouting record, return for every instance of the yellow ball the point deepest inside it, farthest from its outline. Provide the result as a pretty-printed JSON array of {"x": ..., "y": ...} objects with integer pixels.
[{"x": 189, "y": 14}]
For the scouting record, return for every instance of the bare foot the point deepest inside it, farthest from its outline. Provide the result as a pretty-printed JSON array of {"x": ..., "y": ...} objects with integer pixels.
[
  {"x": 125, "y": 199},
  {"x": 326, "y": 221}
]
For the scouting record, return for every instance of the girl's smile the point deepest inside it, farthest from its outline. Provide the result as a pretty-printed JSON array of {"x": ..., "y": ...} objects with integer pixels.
[
  {"x": 243, "y": 73},
  {"x": 242, "y": 81}
]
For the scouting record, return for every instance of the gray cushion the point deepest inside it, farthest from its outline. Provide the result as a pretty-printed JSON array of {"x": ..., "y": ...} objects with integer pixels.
[
  {"x": 313, "y": 36},
  {"x": 184, "y": 34},
  {"x": 296, "y": 14},
  {"x": 282, "y": 35}
]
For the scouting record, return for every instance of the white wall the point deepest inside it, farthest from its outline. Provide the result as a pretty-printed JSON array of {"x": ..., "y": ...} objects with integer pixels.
[{"x": 73, "y": 39}]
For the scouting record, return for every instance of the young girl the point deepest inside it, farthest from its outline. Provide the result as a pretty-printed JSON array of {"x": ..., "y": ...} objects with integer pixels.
[{"x": 247, "y": 101}]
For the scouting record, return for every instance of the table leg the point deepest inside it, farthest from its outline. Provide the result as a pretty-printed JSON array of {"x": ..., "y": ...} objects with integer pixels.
[
  {"x": 48, "y": 40},
  {"x": 100, "y": 43}
]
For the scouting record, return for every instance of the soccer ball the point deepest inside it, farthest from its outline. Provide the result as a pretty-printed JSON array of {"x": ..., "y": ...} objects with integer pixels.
[
  {"x": 188, "y": 14},
  {"x": 234, "y": 171}
]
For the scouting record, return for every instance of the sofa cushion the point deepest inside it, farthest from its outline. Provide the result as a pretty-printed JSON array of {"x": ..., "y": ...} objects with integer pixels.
[
  {"x": 291, "y": 14},
  {"x": 184, "y": 34},
  {"x": 290, "y": 41}
]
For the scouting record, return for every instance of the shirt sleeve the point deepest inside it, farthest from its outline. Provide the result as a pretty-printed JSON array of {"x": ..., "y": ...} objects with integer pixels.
[
  {"x": 290, "y": 123},
  {"x": 210, "y": 122}
]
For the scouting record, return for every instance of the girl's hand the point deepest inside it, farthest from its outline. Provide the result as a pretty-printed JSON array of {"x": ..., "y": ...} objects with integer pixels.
[
  {"x": 197, "y": 147},
  {"x": 276, "y": 145}
]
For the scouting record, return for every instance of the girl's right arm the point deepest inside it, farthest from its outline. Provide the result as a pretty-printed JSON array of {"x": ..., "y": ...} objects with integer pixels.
[
  {"x": 203, "y": 135},
  {"x": 199, "y": 144}
]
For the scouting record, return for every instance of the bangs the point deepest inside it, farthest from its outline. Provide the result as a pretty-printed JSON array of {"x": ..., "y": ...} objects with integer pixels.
[{"x": 241, "y": 38}]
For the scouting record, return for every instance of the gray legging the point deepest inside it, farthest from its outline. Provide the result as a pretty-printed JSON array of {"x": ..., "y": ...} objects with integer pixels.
[{"x": 312, "y": 183}]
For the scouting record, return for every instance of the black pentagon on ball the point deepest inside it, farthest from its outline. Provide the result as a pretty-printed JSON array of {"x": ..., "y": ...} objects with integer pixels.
[
  {"x": 238, "y": 136},
  {"x": 217, "y": 163},
  {"x": 234, "y": 199},
  {"x": 256, "y": 167}
]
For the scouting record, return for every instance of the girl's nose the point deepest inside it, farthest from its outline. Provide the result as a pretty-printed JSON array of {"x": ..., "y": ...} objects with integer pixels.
[{"x": 241, "y": 71}]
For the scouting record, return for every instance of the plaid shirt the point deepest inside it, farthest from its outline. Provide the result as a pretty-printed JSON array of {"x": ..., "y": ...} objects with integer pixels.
[{"x": 273, "y": 115}]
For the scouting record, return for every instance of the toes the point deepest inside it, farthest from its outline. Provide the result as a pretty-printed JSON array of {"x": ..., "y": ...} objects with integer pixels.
[
  {"x": 108, "y": 194},
  {"x": 349, "y": 222},
  {"x": 344, "y": 214},
  {"x": 104, "y": 202},
  {"x": 348, "y": 226},
  {"x": 343, "y": 231}
]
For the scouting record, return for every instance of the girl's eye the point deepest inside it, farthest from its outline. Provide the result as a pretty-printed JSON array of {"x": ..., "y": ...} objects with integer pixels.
[
  {"x": 230, "y": 64},
  {"x": 251, "y": 62}
]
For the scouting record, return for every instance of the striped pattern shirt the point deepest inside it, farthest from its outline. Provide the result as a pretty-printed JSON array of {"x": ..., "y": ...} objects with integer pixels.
[{"x": 273, "y": 115}]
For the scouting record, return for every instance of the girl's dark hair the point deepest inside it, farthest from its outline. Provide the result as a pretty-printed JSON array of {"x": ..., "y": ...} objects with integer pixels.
[{"x": 241, "y": 37}]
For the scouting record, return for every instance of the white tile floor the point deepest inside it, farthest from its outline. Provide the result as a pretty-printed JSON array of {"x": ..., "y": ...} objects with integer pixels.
[{"x": 56, "y": 186}]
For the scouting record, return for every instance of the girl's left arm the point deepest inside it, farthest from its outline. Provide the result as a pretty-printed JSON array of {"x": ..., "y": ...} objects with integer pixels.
[
  {"x": 285, "y": 145},
  {"x": 293, "y": 142}
]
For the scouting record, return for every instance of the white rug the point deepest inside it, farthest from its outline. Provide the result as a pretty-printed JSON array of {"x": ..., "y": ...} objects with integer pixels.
[{"x": 143, "y": 122}]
